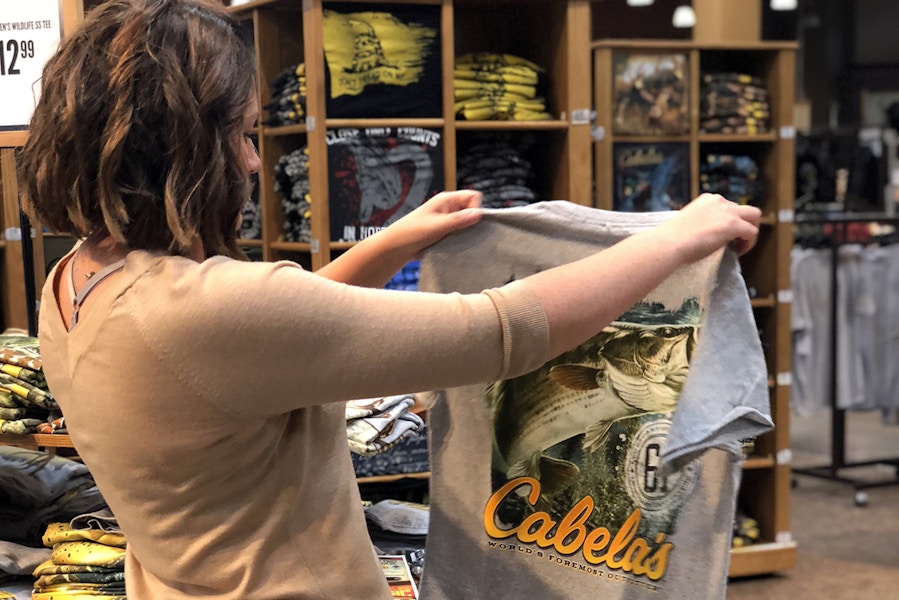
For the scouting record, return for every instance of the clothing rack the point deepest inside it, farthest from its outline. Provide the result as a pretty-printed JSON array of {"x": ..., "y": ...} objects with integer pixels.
[{"x": 838, "y": 461}]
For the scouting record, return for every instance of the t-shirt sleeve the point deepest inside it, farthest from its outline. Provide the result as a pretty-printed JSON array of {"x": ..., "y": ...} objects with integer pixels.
[
  {"x": 266, "y": 338},
  {"x": 725, "y": 398}
]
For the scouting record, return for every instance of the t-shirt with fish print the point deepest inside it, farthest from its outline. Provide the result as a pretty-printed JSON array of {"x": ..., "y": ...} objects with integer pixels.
[{"x": 552, "y": 485}]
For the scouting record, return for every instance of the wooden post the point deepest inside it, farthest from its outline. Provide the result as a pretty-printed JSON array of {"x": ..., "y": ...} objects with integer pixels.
[
  {"x": 15, "y": 313},
  {"x": 727, "y": 21},
  {"x": 72, "y": 12}
]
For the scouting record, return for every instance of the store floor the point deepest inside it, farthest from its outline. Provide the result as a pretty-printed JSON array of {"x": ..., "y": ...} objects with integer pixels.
[{"x": 845, "y": 552}]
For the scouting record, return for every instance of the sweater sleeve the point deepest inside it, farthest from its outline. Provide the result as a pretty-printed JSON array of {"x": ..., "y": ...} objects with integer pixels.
[{"x": 266, "y": 338}]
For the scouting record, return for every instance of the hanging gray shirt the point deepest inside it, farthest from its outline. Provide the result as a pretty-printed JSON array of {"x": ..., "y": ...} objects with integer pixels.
[{"x": 608, "y": 472}]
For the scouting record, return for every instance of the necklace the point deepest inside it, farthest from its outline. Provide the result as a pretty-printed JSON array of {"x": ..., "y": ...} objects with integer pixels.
[
  {"x": 79, "y": 296},
  {"x": 79, "y": 258},
  {"x": 97, "y": 255}
]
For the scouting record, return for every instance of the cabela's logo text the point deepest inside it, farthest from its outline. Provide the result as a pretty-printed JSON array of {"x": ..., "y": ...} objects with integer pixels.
[{"x": 624, "y": 550}]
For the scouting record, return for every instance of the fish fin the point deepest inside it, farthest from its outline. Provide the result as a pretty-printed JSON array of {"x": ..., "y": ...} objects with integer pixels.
[
  {"x": 596, "y": 434},
  {"x": 576, "y": 377},
  {"x": 556, "y": 474},
  {"x": 544, "y": 504},
  {"x": 530, "y": 467}
]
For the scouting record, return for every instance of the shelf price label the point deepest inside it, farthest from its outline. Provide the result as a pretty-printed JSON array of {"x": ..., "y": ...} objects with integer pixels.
[{"x": 29, "y": 35}]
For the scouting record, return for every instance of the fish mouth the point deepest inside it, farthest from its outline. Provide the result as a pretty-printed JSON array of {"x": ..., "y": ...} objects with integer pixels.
[{"x": 672, "y": 344}]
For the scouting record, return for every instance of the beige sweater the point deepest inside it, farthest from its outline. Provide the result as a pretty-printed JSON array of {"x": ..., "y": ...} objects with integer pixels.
[{"x": 205, "y": 399}]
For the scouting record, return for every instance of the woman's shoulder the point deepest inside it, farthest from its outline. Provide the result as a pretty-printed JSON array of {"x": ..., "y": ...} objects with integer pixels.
[
  {"x": 182, "y": 290},
  {"x": 163, "y": 271}
]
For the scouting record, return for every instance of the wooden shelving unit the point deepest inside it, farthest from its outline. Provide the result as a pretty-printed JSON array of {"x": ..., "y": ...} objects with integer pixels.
[
  {"x": 553, "y": 34},
  {"x": 289, "y": 32},
  {"x": 36, "y": 441},
  {"x": 765, "y": 489},
  {"x": 397, "y": 477}
]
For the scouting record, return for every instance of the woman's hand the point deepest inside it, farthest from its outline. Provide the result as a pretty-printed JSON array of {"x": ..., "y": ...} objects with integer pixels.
[
  {"x": 374, "y": 260},
  {"x": 709, "y": 222},
  {"x": 433, "y": 220}
]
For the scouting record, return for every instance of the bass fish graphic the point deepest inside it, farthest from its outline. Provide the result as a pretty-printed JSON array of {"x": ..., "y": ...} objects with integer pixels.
[{"x": 627, "y": 370}]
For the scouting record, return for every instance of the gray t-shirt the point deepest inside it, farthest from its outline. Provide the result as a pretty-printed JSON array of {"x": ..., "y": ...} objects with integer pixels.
[{"x": 606, "y": 473}]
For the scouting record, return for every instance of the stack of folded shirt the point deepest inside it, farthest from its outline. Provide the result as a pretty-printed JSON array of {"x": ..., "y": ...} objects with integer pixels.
[
  {"x": 399, "y": 527},
  {"x": 376, "y": 424},
  {"x": 84, "y": 563},
  {"x": 496, "y": 166},
  {"x": 733, "y": 103},
  {"x": 746, "y": 530},
  {"x": 250, "y": 220},
  {"x": 292, "y": 184},
  {"x": 251, "y": 214},
  {"x": 409, "y": 455},
  {"x": 17, "y": 562},
  {"x": 737, "y": 178},
  {"x": 288, "y": 103},
  {"x": 499, "y": 87},
  {"x": 37, "y": 488},
  {"x": 26, "y": 405}
]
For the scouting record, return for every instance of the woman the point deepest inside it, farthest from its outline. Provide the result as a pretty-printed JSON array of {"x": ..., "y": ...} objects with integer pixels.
[{"x": 205, "y": 392}]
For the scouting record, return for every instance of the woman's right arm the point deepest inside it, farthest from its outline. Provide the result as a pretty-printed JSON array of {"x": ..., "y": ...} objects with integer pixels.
[
  {"x": 286, "y": 338},
  {"x": 582, "y": 297}
]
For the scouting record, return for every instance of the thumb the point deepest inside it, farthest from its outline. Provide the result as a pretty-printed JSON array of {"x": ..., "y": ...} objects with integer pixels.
[{"x": 466, "y": 218}]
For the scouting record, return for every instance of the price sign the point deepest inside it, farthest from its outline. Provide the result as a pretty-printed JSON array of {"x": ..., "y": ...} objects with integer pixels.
[{"x": 29, "y": 35}]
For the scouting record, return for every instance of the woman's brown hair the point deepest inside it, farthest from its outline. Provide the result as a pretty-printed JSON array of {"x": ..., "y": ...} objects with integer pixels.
[{"x": 134, "y": 134}]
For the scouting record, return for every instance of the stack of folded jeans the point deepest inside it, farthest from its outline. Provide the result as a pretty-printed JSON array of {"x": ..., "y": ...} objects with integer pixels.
[{"x": 37, "y": 488}]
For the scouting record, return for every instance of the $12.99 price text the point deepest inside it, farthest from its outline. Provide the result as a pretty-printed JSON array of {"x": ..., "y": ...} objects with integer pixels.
[{"x": 12, "y": 52}]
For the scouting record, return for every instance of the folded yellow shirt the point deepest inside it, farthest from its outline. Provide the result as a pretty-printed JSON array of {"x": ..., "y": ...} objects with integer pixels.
[
  {"x": 63, "y": 532},
  {"x": 88, "y": 553}
]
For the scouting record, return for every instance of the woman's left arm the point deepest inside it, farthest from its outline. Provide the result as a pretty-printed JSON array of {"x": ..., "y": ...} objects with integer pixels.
[{"x": 377, "y": 258}]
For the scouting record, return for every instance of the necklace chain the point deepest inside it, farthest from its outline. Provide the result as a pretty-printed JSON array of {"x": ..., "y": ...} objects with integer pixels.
[{"x": 89, "y": 274}]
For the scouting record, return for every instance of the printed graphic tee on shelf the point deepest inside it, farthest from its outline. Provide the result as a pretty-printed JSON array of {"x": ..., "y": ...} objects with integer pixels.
[
  {"x": 552, "y": 485},
  {"x": 651, "y": 93},
  {"x": 651, "y": 176},
  {"x": 382, "y": 64},
  {"x": 376, "y": 175}
]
